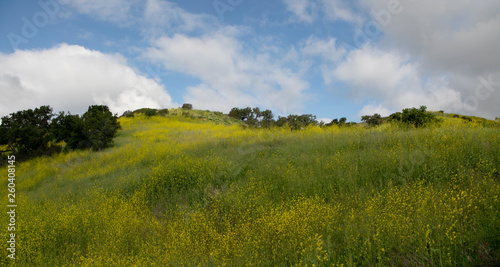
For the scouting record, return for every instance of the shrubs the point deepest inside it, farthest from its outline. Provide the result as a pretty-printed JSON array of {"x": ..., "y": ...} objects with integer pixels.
[
  {"x": 70, "y": 129},
  {"x": 100, "y": 126},
  {"x": 297, "y": 122},
  {"x": 340, "y": 122},
  {"x": 128, "y": 114},
  {"x": 162, "y": 112},
  {"x": 373, "y": 120},
  {"x": 257, "y": 118},
  {"x": 253, "y": 117},
  {"x": 95, "y": 129},
  {"x": 414, "y": 117},
  {"x": 150, "y": 112},
  {"x": 187, "y": 106},
  {"x": 29, "y": 132}
]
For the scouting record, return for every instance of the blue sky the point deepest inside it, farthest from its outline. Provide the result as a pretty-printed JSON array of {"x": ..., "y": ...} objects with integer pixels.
[{"x": 330, "y": 58}]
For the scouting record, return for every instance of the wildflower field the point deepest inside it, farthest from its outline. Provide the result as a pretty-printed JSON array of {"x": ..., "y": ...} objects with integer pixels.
[{"x": 182, "y": 191}]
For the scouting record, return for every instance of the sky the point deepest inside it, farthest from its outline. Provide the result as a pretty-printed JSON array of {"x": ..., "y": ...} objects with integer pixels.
[{"x": 329, "y": 58}]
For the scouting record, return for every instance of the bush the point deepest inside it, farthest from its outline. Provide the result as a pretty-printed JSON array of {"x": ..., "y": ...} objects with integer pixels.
[
  {"x": 100, "y": 126},
  {"x": 187, "y": 106},
  {"x": 70, "y": 129},
  {"x": 373, "y": 120},
  {"x": 253, "y": 117},
  {"x": 163, "y": 112},
  {"x": 150, "y": 112},
  {"x": 414, "y": 117},
  {"x": 28, "y": 131},
  {"x": 128, "y": 114}
]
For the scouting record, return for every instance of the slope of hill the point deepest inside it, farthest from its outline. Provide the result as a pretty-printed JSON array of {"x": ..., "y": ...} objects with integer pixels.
[{"x": 181, "y": 190}]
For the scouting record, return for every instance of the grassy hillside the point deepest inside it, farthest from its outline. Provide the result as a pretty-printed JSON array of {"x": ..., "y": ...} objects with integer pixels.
[{"x": 181, "y": 190}]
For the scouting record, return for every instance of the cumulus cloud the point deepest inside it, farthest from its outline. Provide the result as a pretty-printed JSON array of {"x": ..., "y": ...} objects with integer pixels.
[
  {"x": 71, "y": 77},
  {"x": 302, "y": 9},
  {"x": 456, "y": 40},
  {"x": 371, "y": 109},
  {"x": 310, "y": 10},
  {"x": 230, "y": 75},
  {"x": 339, "y": 10},
  {"x": 324, "y": 49},
  {"x": 151, "y": 17},
  {"x": 163, "y": 16},
  {"x": 392, "y": 82},
  {"x": 372, "y": 72}
]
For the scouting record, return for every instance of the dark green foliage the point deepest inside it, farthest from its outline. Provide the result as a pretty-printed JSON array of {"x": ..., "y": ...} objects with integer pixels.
[
  {"x": 373, "y": 120},
  {"x": 100, "y": 126},
  {"x": 341, "y": 122},
  {"x": 414, "y": 117},
  {"x": 150, "y": 112},
  {"x": 241, "y": 114},
  {"x": 95, "y": 129},
  {"x": 187, "y": 106},
  {"x": 162, "y": 112},
  {"x": 70, "y": 129},
  {"x": 27, "y": 131},
  {"x": 257, "y": 118},
  {"x": 267, "y": 118},
  {"x": 128, "y": 114},
  {"x": 333, "y": 122},
  {"x": 297, "y": 122},
  {"x": 281, "y": 121},
  {"x": 253, "y": 117},
  {"x": 395, "y": 117}
]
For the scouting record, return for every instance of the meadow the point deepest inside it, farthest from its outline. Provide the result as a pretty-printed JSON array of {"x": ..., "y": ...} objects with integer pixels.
[{"x": 180, "y": 191}]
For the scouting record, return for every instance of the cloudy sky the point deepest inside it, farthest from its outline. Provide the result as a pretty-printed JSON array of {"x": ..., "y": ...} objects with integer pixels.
[{"x": 330, "y": 58}]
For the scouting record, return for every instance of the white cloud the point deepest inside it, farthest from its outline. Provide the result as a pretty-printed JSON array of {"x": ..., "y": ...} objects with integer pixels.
[
  {"x": 325, "y": 120},
  {"x": 302, "y": 9},
  {"x": 70, "y": 77},
  {"x": 151, "y": 17},
  {"x": 391, "y": 82},
  {"x": 230, "y": 75},
  {"x": 456, "y": 40},
  {"x": 310, "y": 10},
  {"x": 371, "y": 72},
  {"x": 371, "y": 109},
  {"x": 325, "y": 49},
  {"x": 163, "y": 16},
  {"x": 338, "y": 10}
]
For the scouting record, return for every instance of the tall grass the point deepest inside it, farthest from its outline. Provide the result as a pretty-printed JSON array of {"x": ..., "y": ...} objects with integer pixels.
[{"x": 178, "y": 191}]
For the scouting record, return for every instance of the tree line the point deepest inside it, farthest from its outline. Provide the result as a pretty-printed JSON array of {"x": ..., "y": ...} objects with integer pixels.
[
  {"x": 33, "y": 132},
  {"x": 254, "y": 117},
  {"x": 257, "y": 118},
  {"x": 414, "y": 117}
]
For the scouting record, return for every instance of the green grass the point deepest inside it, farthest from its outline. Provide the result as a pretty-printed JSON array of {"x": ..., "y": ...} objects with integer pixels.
[{"x": 181, "y": 190}]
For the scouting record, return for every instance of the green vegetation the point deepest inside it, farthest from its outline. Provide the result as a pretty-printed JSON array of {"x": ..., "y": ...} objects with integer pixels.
[
  {"x": 187, "y": 106},
  {"x": 196, "y": 188},
  {"x": 30, "y": 133},
  {"x": 414, "y": 117},
  {"x": 27, "y": 131},
  {"x": 373, "y": 120}
]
